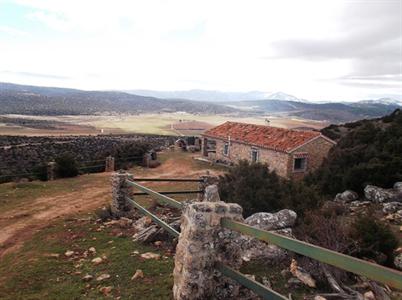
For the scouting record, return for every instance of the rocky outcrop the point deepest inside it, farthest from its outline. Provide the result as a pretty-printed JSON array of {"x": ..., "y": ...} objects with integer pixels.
[
  {"x": 379, "y": 195},
  {"x": 272, "y": 221},
  {"x": 398, "y": 261},
  {"x": 398, "y": 186},
  {"x": 280, "y": 222},
  {"x": 391, "y": 207},
  {"x": 346, "y": 197}
]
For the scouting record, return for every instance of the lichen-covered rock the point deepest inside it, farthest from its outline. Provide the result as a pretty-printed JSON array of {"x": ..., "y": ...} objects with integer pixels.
[
  {"x": 279, "y": 222},
  {"x": 272, "y": 221},
  {"x": 391, "y": 207},
  {"x": 398, "y": 261},
  {"x": 211, "y": 194},
  {"x": 347, "y": 196},
  {"x": 379, "y": 195},
  {"x": 360, "y": 203},
  {"x": 256, "y": 249},
  {"x": 398, "y": 186}
]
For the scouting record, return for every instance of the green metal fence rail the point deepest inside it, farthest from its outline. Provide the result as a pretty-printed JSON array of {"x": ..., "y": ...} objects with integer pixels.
[
  {"x": 171, "y": 193},
  {"x": 161, "y": 223},
  {"x": 156, "y": 195},
  {"x": 373, "y": 271},
  {"x": 169, "y": 179},
  {"x": 255, "y": 286}
]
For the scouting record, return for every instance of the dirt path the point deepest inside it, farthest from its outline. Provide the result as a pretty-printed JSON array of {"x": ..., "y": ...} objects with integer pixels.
[{"x": 20, "y": 223}]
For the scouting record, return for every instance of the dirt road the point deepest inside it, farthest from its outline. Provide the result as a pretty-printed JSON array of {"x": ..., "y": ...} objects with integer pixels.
[{"x": 21, "y": 222}]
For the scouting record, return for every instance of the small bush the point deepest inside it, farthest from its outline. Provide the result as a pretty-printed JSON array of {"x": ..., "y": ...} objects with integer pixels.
[
  {"x": 40, "y": 172},
  {"x": 375, "y": 239},
  {"x": 325, "y": 229},
  {"x": 66, "y": 166},
  {"x": 258, "y": 189}
]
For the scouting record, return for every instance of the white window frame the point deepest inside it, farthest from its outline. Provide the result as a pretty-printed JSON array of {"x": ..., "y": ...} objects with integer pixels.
[
  {"x": 256, "y": 150},
  {"x": 305, "y": 164},
  {"x": 226, "y": 153}
]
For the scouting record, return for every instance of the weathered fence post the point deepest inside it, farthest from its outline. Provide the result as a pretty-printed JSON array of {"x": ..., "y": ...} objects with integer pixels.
[
  {"x": 120, "y": 207},
  {"x": 206, "y": 180},
  {"x": 109, "y": 164},
  {"x": 51, "y": 167},
  {"x": 203, "y": 243}
]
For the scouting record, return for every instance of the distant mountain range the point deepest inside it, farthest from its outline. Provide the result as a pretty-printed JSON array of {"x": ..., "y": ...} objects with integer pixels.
[
  {"x": 33, "y": 100},
  {"x": 333, "y": 112},
  {"x": 202, "y": 95}
]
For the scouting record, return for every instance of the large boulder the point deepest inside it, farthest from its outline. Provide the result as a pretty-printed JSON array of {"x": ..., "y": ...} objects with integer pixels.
[
  {"x": 398, "y": 186},
  {"x": 280, "y": 222},
  {"x": 346, "y": 197},
  {"x": 379, "y": 195},
  {"x": 272, "y": 221},
  {"x": 253, "y": 248}
]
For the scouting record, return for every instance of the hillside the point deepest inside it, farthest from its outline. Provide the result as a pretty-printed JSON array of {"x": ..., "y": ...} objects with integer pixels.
[
  {"x": 333, "y": 112},
  {"x": 32, "y": 100},
  {"x": 368, "y": 152}
]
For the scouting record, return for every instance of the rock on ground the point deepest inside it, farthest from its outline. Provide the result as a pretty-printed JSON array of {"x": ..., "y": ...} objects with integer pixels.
[
  {"x": 379, "y": 195},
  {"x": 346, "y": 197},
  {"x": 398, "y": 261},
  {"x": 150, "y": 255},
  {"x": 391, "y": 207},
  {"x": 398, "y": 186},
  {"x": 137, "y": 274},
  {"x": 279, "y": 222},
  {"x": 272, "y": 221}
]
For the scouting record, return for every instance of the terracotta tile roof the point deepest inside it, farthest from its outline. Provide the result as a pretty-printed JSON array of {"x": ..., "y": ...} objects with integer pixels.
[{"x": 275, "y": 138}]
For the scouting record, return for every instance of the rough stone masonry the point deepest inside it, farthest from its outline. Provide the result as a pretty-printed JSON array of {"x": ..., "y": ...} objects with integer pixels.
[
  {"x": 202, "y": 243},
  {"x": 120, "y": 207}
]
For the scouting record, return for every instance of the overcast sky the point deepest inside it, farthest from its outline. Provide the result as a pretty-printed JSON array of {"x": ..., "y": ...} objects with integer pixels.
[{"x": 317, "y": 50}]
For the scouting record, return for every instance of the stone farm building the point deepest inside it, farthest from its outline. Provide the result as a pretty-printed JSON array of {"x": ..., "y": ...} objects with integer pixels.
[{"x": 291, "y": 153}]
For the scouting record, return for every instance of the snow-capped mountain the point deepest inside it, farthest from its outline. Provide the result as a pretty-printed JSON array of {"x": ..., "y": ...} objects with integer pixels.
[
  {"x": 384, "y": 101},
  {"x": 283, "y": 96}
]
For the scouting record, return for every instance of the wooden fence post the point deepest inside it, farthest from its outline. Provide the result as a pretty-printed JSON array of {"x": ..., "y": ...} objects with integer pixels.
[{"x": 202, "y": 243}]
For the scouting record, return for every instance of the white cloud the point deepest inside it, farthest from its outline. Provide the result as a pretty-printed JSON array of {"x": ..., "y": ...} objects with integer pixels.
[{"x": 184, "y": 44}]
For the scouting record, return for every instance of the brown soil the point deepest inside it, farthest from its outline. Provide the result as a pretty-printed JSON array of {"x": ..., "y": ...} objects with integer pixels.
[{"x": 20, "y": 223}]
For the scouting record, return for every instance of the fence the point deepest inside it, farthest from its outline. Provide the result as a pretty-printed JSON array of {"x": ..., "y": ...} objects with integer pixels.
[
  {"x": 88, "y": 166},
  {"x": 227, "y": 214}
]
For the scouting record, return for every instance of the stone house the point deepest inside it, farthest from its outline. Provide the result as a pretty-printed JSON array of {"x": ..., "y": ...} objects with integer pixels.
[{"x": 291, "y": 153}]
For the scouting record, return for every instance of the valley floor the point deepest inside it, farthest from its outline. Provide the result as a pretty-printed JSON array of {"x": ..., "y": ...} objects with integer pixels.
[{"x": 161, "y": 123}]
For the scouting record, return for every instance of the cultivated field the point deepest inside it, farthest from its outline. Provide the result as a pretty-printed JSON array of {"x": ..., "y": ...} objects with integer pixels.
[{"x": 160, "y": 123}]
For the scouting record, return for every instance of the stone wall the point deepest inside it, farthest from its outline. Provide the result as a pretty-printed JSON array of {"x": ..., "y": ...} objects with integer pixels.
[{"x": 20, "y": 155}]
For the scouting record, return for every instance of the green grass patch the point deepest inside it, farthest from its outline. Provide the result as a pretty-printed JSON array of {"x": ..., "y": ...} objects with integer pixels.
[{"x": 32, "y": 274}]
